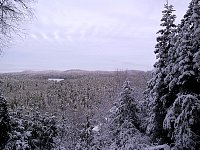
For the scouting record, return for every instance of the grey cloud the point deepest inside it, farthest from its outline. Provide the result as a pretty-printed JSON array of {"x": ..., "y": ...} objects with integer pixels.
[{"x": 91, "y": 34}]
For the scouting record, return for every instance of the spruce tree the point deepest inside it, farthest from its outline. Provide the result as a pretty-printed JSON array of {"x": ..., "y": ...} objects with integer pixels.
[
  {"x": 157, "y": 89},
  {"x": 86, "y": 136},
  {"x": 4, "y": 122},
  {"x": 182, "y": 119},
  {"x": 31, "y": 130},
  {"x": 124, "y": 122}
]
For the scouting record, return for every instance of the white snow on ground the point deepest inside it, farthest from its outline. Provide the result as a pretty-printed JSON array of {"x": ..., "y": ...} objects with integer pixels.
[
  {"x": 164, "y": 147},
  {"x": 96, "y": 128}
]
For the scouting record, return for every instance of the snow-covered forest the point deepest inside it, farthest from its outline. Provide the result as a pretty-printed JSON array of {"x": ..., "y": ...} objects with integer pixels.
[
  {"x": 118, "y": 110},
  {"x": 79, "y": 104}
]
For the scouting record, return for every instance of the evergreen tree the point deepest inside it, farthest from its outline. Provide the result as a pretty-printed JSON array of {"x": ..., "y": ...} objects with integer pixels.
[
  {"x": 85, "y": 140},
  {"x": 4, "y": 122},
  {"x": 31, "y": 131},
  {"x": 124, "y": 122},
  {"x": 86, "y": 136},
  {"x": 182, "y": 119},
  {"x": 157, "y": 90}
]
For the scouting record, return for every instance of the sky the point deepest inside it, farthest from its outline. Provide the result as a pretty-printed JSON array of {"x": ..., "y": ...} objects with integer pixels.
[{"x": 89, "y": 35}]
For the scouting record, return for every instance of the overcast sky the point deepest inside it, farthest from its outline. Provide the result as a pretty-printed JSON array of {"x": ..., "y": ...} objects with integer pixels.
[{"x": 89, "y": 35}]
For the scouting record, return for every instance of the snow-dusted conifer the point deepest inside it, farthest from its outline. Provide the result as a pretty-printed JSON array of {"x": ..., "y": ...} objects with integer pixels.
[
  {"x": 182, "y": 119},
  {"x": 86, "y": 136},
  {"x": 31, "y": 131},
  {"x": 4, "y": 122},
  {"x": 124, "y": 122},
  {"x": 157, "y": 89}
]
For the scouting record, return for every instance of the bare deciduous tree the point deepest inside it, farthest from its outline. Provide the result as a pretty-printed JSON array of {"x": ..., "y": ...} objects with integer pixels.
[{"x": 12, "y": 14}]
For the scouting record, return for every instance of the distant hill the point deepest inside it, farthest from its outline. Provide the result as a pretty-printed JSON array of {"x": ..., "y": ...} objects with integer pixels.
[{"x": 74, "y": 73}]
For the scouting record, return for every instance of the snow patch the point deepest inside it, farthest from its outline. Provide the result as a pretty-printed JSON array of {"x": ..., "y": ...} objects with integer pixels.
[{"x": 163, "y": 147}]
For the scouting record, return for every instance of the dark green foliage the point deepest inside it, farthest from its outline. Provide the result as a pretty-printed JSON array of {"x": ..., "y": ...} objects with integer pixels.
[
  {"x": 157, "y": 93},
  {"x": 32, "y": 131},
  {"x": 182, "y": 122},
  {"x": 86, "y": 136},
  {"x": 43, "y": 131},
  {"x": 123, "y": 122},
  {"x": 183, "y": 115},
  {"x": 174, "y": 92},
  {"x": 4, "y": 122}
]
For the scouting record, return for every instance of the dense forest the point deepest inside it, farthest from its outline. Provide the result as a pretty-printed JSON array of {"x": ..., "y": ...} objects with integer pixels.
[
  {"x": 80, "y": 98},
  {"x": 118, "y": 110}
]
